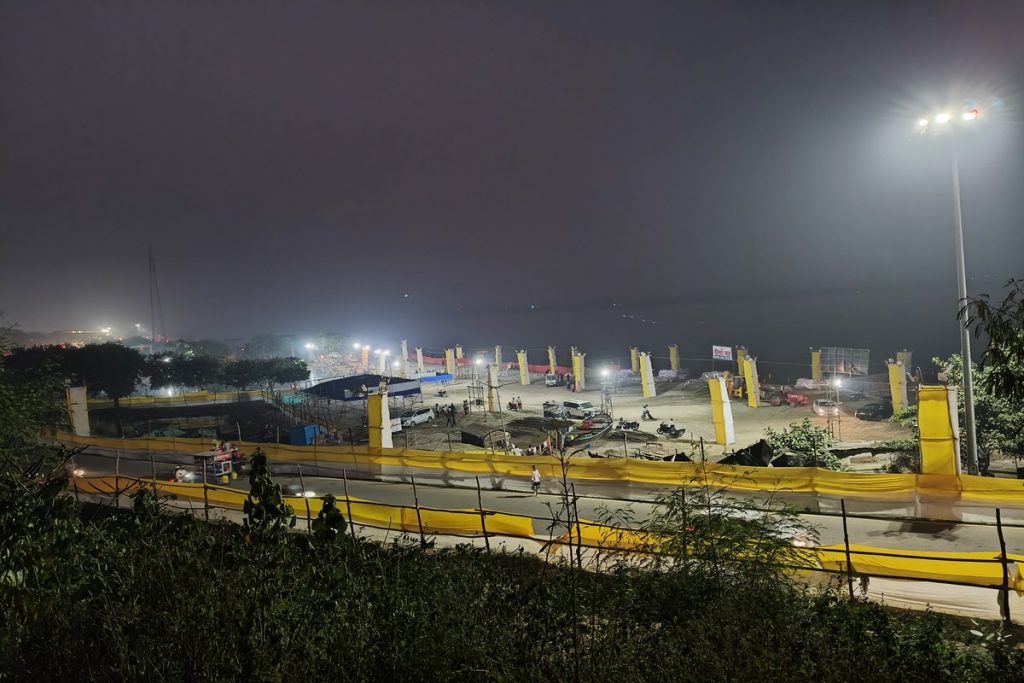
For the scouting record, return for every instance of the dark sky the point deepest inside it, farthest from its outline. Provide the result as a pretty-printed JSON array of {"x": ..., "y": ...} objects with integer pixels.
[{"x": 733, "y": 172}]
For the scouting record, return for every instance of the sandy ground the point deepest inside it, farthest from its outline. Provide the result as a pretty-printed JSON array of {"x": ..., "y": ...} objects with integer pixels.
[{"x": 687, "y": 403}]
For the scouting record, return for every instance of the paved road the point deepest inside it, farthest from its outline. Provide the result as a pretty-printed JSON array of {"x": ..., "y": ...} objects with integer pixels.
[{"x": 886, "y": 533}]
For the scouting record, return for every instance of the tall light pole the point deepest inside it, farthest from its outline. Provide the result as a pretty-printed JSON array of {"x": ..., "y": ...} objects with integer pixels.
[{"x": 944, "y": 120}]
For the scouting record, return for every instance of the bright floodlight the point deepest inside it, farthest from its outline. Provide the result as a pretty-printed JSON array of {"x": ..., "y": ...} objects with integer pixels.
[
  {"x": 479, "y": 361},
  {"x": 922, "y": 123},
  {"x": 970, "y": 115},
  {"x": 310, "y": 345},
  {"x": 385, "y": 352},
  {"x": 942, "y": 118},
  {"x": 838, "y": 382},
  {"x": 356, "y": 346},
  {"x": 366, "y": 347},
  {"x": 604, "y": 372},
  {"x": 376, "y": 351}
]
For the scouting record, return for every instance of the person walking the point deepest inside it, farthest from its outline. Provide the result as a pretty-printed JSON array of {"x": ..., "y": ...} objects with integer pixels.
[
  {"x": 465, "y": 407},
  {"x": 454, "y": 414},
  {"x": 535, "y": 479}
]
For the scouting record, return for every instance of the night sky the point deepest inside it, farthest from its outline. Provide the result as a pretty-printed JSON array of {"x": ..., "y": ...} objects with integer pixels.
[{"x": 638, "y": 172}]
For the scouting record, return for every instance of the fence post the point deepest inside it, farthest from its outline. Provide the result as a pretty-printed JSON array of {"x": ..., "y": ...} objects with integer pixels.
[
  {"x": 74, "y": 484},
  {"x": 152, "y": 467},
  {"x": 316, "y": 458},
  {"x": 117, "y": 479},
  {"x": 846, "y": 543},
  {"x": 351, "y": 440},
  {"x": 450, "y": 443},
  {"x": 309, "y": 515},
  {"x": 579, "y": 530},
  {"x": 1004, "y": 589},
  {"x": 419, "y": 519},
  {"x": 483, "y": 517},
  {"x": 348, "y": 506},
  {"x": 206, "y": 496}
]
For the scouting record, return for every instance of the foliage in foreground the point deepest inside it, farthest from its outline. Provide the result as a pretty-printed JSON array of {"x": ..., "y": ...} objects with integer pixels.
[
  {"x": 145, "y": 596},
  {"x": 807, "y": 445}
]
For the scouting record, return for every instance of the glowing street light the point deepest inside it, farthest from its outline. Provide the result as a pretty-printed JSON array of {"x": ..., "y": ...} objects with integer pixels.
[
  {"x": 356, "y": 346},
  {"x": 967, "y": 116}
]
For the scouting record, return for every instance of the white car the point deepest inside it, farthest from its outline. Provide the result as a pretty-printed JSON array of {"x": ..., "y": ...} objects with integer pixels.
[
  {"x": 823, "y": 407},
  {"x": 417, "y": 416},
  {"x": 580, "y": 409}
]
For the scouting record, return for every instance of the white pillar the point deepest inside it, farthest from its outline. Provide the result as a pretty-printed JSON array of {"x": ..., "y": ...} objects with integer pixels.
[
  {"x": 419, "y": 359},
  {"x": 492, "y": 388},
  {"x": 403, "y": 360}
]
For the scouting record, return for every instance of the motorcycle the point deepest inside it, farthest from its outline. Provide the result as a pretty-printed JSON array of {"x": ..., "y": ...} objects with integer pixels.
[
  {"x": 627, "y": 424},
  {"x": 670, "y": 430}
]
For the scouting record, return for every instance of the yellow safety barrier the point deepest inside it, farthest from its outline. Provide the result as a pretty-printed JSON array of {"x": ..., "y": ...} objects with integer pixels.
[
  {"x": 973, "y": 568},
  {"x": 395, "y": 517},
  {"x": 803, "y": 480}
]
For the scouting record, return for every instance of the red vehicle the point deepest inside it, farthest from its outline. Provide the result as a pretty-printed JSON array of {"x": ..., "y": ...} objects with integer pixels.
[{"x": 776, "y": 396}]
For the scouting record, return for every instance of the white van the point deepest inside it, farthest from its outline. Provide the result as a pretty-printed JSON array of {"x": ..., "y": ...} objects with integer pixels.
[
  {"x": 551, "y": 380},
  {"x": 580, "y": 409}
]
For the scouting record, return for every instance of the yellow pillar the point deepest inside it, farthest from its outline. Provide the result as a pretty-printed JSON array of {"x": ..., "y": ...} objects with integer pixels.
[
  {"x": 449, "y": 361},
  {"x": 816, "y": 366},
  {"x": 524, "y": 370},
  {"x": 634, "y": 360},
  {"x": 492, "y": 388},
  {"x": 458, "y": 351},
  {"x": 379, "y": 420},
  {"x": 741, "y": 354},
  {"x": 753, "y": 387},
  {"x": 497, "y": 355},
  {"x": 721, "y": 411},
  {"x": 939, "y": 430},
  {"x": 898, "y": 385},
  {"x": 904, "y": 357},
  {"x": 364, "y": 358},
  {"x": 646, "y": 375},
  {"x": 578, "y": 370},
  {"x": 673, "y": 357},
  {"x": 552, "y": 365}
]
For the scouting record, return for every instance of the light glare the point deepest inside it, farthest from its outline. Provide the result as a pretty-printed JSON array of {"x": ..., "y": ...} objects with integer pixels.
[{"x": 942, "y": 118}]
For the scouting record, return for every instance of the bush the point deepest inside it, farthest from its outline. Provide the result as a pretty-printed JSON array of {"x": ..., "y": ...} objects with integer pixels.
[{"x": 138, "y": 595}]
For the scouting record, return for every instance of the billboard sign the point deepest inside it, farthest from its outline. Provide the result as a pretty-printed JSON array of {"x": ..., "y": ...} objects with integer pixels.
[{"x": 721, "y": 352}]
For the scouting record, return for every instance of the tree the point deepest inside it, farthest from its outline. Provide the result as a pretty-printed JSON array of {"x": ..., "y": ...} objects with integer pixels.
[
  {"x": 111, "y": 368},
  {"x": 1003, "y": 360},
  {"x": 240, "y": 374},
  {"x": 208, "y": 347},
  {"x": 808, "y": 443},
  {"x": 30, "y": 393},
  {"x": 265, "y": 346},
  {"x": 289, "y": 370},
  {"x": 195, "y": 371}
]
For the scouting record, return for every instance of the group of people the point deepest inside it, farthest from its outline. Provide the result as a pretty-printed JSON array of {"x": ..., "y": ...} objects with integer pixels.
[
  {"x": 450, "y": 412},
  {"x": 539, "y": 449},
  {"x": 515, "y": 404}
]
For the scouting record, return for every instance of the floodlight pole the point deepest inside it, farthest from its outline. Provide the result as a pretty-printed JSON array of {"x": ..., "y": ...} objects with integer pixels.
[{"x": 965, "y": 336}]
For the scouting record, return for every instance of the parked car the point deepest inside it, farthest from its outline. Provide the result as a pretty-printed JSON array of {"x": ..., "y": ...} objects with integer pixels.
[
  {"x": 551, "y": 380},
  {"x": 417, "y": 416},
  {"x": 823, "y": 407},
  {"x": 554, "y": 409},
  {"x": 874, "y": 411},
  {"x": 580, "y": 409}
]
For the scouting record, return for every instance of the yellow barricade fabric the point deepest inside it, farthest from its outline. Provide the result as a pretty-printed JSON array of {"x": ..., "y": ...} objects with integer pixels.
[
  {"x": 398, "y": 518},
  {"x": 941, "y": 566},
  {"x": 800, "y": 480},
  {"x": 940, "y": 453}
]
